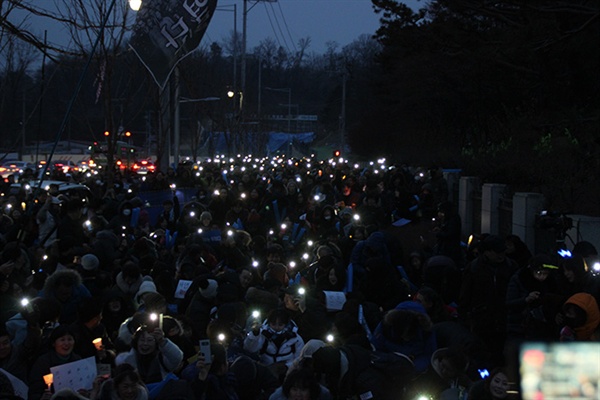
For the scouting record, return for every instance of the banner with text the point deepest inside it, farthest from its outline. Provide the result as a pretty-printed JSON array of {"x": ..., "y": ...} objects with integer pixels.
[{"x": 166, "y": 31}]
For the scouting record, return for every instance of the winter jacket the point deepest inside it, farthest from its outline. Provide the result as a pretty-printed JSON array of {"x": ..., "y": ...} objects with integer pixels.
[
  {"x": 70, "y": 306},
  {"x": 108, "y": 391},
  {"x": 588, "y": 303},
  {"x": 533, "y": 320},
  {"x": 274, "y": 347},
  {"x": 41, "y": 367},
  {"x": 422, "y": 343},
  {"x": 170, "y": 357}
]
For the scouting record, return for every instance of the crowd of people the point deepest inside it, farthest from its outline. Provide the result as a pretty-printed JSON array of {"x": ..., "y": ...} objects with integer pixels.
[{"x": 297, "y": 272}]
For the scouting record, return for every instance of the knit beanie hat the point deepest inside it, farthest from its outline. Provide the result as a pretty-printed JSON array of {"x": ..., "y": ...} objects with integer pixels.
[
  {"x": 147, "y": 286},
  {"x": 208, "y": 288},
  {"x": 90, "y": 262}
]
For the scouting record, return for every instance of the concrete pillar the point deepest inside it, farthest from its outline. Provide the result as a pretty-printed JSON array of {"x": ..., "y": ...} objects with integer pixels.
[
  {"x": 490, "y": 200},
  {"x": 452, "y": 177},
  {"x": 525, "y": 207},
  {"x": 467, "y": 186}
]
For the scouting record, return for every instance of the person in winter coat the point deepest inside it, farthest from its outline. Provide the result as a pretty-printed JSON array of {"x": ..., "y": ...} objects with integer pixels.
[
  {"x": 407, "y": 329},
  {"x": 61, "y": 352},
  {"x": 126, "y": 384},
  {"x": 494, "y": 387},
  {"x": 448, "y": 233},
  {"x": 301, "y": 384},
  {"x": 532, "y": 299},
  {"x": 482, "y": 299},
  {"x": 130, "y": 279},
  {"x": 307, "y": 312},
  {"x": 12, "y": 358},
  {"x": 89, "y": 327},
  {"x": 151, "y": 354},
  {"x": 66, "y": 286},
  {"x": 577, "y": 277},
  {"x": 276, "y": 341},
  {"x": 580, "y": 318},
  {"x": 211, "y": 379}
]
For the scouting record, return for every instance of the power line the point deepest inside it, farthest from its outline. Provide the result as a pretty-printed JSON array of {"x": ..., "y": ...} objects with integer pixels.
[
  {"x": 279, "y": 28},
  {"x": 287, "y": 28},
  {"x": 272, "y": 27}
]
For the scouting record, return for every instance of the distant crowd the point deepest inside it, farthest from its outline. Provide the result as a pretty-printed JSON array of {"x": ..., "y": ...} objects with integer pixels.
[{"x": 280, "y": 279}]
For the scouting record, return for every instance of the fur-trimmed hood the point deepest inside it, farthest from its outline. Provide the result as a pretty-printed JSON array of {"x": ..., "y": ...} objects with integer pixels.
[{"x": 69, "y": 277}]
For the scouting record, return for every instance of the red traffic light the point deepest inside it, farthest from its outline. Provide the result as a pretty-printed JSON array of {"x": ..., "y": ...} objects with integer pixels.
[{"x": 337, "y": 153}]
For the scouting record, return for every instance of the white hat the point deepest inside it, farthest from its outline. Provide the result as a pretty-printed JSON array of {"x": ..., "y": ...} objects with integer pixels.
[
  {"x": 90, "y": 262},
  {"x": 147, "y": 286},
  {"x": 208, "y": 288}
]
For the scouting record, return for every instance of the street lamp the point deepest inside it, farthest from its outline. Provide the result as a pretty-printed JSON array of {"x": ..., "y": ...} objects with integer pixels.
[
  {"x": 135, "y": 4},
  {"x": 231, "y": 94}
]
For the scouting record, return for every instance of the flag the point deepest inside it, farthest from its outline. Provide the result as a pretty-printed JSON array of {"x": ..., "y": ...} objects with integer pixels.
[
  {"x": 100, "y": 80},
  {"x": 166, "y": 31}
]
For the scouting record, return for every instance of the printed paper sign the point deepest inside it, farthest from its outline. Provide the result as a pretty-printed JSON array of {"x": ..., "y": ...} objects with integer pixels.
[
  {"x": 334, "y": 301},
  {"x": 75, "y": 375},
  {"x": 21, "y": 389},
  {"x": 182, "y": 288}
]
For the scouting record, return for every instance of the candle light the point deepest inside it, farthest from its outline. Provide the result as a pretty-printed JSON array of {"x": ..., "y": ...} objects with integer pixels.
[
  {"x": 98, "y": 343},
  {"x": 48, "y": 379}
]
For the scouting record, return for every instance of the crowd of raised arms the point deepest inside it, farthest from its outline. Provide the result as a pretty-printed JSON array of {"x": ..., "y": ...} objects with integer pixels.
[{"x": 275, "y": 279}]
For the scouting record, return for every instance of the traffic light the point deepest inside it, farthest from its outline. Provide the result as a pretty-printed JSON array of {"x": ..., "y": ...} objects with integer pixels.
[{"x": 337, "y": 153}]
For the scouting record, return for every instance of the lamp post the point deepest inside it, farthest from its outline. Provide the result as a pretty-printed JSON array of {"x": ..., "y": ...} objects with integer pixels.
[
  {"x": 231, "y": 94},
  {"x": 235, "y": 39},
  {"x": 245, "y": 37}
]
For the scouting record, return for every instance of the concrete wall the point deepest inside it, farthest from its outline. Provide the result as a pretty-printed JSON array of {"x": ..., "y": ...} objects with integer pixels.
[{"x": 584, "y": 228}]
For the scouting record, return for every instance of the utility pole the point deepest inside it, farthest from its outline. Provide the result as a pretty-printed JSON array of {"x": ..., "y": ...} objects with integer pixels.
[
  {"x": 343, "y": 112},
  {"x": 244, "y": 39}
]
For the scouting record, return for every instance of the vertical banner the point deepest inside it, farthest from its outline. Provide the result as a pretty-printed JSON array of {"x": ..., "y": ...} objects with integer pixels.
[{"x": 166, "y": 31}]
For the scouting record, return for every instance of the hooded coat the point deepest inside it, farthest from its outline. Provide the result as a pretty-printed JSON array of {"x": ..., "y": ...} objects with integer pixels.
[
  {"x": 274, "y": 347},
  {"x": 79, "y": 292},
  {"x": 588, "y": 303},
  {"x": 412, "y": 335}
]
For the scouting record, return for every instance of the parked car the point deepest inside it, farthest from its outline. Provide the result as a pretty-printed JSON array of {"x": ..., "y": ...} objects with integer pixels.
[
  {"x": 67, "y": 166},
  {"x": 15, "y": 167},
  {"x": 143, "y": 167},
  {"x": 64, "y": 188}
]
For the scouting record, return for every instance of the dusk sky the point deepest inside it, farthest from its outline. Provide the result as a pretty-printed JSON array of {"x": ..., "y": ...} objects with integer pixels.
[
  {"x": 286, "y": 21},
  {"x": 341, "y": 21}
]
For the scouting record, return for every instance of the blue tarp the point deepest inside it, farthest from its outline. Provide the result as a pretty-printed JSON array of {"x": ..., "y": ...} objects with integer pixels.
[{"x": 275, "y": 141}]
